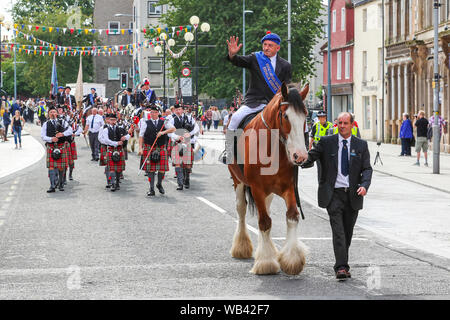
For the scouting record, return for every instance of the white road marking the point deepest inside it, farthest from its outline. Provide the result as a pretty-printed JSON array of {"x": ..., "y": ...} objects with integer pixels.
[
  {"x": 324, "y": 238},
  {"x": 212, "y": 205}
]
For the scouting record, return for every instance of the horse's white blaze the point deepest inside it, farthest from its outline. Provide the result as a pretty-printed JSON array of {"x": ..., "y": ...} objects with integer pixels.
[{"x": 296, "y": 138}]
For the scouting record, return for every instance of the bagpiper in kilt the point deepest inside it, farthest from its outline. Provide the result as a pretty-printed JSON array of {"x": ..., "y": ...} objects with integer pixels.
[
  {"x": 113, "y": 137},
  {"x": 183, "y": 141},
  {"x": 153, "y": 142},
  {"x": 103, "y": 150},
  {"x": 53, "y": 133}
]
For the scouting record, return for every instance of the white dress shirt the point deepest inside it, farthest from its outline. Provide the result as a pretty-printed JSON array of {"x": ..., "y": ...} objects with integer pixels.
[
  {"x": 143, "y": 126},
  {"x": 67, "y": 132},
  {"x": 103, "y": 137},
  {"x": 170, "y": 123},
  {"x": 98, "y": 123},
  {"x": 273, "y": 62},
  {"x": 341, "y": 180}
]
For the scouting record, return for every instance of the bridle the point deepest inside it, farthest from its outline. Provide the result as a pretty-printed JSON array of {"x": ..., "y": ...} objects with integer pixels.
[{"x": 280, "y": 116}]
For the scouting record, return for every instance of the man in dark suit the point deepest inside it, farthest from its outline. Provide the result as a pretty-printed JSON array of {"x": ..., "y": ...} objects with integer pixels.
[
  {"x": 90, "y": 98},
  {"x": 345, "y": 178},
  {"x": 267, "y": 72},
  {"x": 146, "y": 93},
  {"x": 68, "y": 99},
  {"x": 128, "y": 98}
]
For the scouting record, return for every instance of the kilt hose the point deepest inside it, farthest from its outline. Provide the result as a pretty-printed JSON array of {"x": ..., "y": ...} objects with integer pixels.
[
  {"x": 102, "y": 161},
  {"x": 63, "y": 162},
  {"x": 118, "y": 166},
  {"x": 162, "y": 165},
  {"x": 187, "y": 160}
]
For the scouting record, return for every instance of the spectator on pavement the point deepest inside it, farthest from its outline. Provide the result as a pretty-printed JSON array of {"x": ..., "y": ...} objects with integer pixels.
[
  {"x": 224, "y": 113},
  {"x": 42, "y": 109},
  {"x": 216, "y": 117},
  {"x": 2, "y": 129},
  {"x": 406, "y": 135},
  {"x": 421, "y": 142},
  {"x": 208, "y": 115},
  {"x": 17, "y": 124},
  {"x": 6, "y": 122}
]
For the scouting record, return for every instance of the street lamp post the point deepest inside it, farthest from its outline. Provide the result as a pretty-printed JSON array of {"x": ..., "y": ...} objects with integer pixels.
[
  {"x": 436, "y": 87},
  {"x": 2, "y": 17},
  {"x": 243, "y": 42},
  {"x": 329, "y": 107},
  {"x": 194, "y": 20}
]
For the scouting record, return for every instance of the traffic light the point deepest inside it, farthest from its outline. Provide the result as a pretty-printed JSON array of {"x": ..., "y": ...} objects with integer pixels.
[{"x": 124, "y": 80}]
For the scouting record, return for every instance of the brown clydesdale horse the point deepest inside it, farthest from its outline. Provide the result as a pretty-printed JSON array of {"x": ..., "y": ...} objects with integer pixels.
[{"x": 268, "y": 168}]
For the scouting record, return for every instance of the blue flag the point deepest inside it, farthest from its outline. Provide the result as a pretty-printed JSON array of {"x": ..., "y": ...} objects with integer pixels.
[{"x": 54, "y": 84}]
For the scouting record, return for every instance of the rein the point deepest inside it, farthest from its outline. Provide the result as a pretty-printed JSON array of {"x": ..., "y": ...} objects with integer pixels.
[{"x": 282, "y": 139}]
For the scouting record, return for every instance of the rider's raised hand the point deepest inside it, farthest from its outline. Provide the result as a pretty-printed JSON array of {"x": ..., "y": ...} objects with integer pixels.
[{"x": 233, "y": 46}]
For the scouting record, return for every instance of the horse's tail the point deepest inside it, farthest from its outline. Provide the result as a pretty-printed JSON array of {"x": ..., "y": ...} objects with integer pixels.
[{"x": 251, "y": 205}]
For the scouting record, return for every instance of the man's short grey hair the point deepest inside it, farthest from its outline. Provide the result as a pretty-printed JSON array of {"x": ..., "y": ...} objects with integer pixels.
[{"x": 346, "y": 113}]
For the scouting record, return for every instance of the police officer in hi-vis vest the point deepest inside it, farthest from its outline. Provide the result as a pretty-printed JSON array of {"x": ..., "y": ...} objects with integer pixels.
[{"x": 320, "y": 129}]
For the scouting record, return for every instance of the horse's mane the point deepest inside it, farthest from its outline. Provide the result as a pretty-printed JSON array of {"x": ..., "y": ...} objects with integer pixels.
[{"x": 295, "y": 99}]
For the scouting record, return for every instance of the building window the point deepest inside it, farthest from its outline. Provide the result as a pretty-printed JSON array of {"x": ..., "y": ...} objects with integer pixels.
[
  {"x": 364, "y": 22},
  {"x": 347, "y": 64},
  {"x": 334, "y": 21},
  {"x": 366, "y": 114},
  {"x": 113, "y": 73},
  {"x": 114, "y": 27},
  {"x": 339, "y": 65},
  {"x": 154, "y": 65},
  {"x": 153, "y": 9},
  {"x": 342, "y": 19},
  {"x": 364, "y": 61}
]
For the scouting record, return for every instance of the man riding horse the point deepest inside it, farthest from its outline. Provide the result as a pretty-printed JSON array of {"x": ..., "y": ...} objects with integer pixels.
[{"x": 267, "y": 71}]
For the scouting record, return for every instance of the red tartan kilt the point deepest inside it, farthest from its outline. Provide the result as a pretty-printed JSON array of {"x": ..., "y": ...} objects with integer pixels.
[
  {"x": 102, "y": 161},
  {"x": 73, "y": 150},
  {"x": 186, "y": 160},
  {"x": 60, "y": 164},
  {"x": 161, "y": 166},
  {"x": 118, "y": 166}
]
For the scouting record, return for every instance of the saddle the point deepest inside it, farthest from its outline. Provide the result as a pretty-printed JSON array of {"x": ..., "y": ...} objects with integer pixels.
[{"x": 247, "y": 119}]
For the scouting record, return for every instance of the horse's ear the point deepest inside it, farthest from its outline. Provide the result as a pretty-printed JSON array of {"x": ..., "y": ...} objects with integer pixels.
[
  {"x": 305, "y": 91},
  {"x": 284, "y": 91}
]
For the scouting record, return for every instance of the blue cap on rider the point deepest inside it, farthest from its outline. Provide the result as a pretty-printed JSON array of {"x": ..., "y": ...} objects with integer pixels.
[{"x": 272, "y": 37}]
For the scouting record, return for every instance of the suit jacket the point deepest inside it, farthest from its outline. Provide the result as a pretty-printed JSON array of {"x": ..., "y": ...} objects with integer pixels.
[
  {"x": 87, "y": 98},
  {"x": 360, "y": 170},
  {"x": 141, "y": 97},
  {"x": 125, "y": 99},
  {"x": 72, "y": 98},
  {"x": 258, "y": 91}
]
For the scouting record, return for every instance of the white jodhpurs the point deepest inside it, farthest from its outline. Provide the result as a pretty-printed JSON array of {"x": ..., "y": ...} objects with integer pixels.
[{"x": 241, "y": 113}]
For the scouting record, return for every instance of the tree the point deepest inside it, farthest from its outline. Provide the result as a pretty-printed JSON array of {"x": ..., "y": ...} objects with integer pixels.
[
  {"x": 29, "y": 9},
  {"x": 37, "y": 69},
  {"x": 220, "y": 79}
]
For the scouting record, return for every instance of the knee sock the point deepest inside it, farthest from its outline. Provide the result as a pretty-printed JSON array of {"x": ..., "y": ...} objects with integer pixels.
[
  {"x": 151, "y": 179},
  {"x": 160, "y": 177}
]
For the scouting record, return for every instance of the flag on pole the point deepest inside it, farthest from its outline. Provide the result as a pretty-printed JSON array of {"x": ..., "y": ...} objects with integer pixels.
[
  {"x": 79, "y": 87},
  {"x": 137, "y": 76},
  {"x": 54, "y": 84}
]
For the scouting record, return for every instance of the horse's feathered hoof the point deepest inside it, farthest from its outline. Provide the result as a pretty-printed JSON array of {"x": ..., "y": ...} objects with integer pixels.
[
  {"x": 266, "y": 267},
  {"x": 292, "y": 261},
  {"x": 242, "y": 247}
]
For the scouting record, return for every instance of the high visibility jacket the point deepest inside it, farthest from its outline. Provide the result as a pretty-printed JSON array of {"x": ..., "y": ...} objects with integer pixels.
[
  {"x": 200, "y": 111},
  {"x": 42, "y": 108},
  {"x": 354, "y": 131},
  {"x": 321, "y": 131}
]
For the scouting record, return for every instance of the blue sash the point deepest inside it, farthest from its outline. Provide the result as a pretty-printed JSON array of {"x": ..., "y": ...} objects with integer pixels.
[
  {"x": 92, "y": 99},
  {"x": 148, "y": 94},
  {"x": 267, "y": 71}
]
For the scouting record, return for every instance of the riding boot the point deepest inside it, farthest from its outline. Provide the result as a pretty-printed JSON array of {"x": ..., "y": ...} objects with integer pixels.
[
  {"x": 159, "y": 184},
  {"x": 186, "y": 173},
  {"x": 151, "y": 180},
  {"x": 70, "y": 172},
  {"x": 112, "y": 179},
  {"x": 180, "y": 177},
  {"x": 229, "y": 154},
  {"x": 61, "y": 180},
  {"x": 51, "y": 175}
]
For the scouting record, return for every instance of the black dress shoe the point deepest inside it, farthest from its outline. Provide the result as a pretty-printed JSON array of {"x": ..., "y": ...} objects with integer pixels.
[
  {"x": 117, "y": 186},
  {"x": 341, "y": 274},
  {"x": 348, "y": 274},
  {"x": 70, "y": 178},
  {"x": 113, "y": 188},
  {"x": 61, "y": 188},
  {"x": 151, "y": 193},
  {"x": 187, "y": 185},
  {"x": 108, "y": 186},
  {"x": 180, "y": 187},
  {"x": 160, "y": 188},
  {"x": 51, "y": 190}
]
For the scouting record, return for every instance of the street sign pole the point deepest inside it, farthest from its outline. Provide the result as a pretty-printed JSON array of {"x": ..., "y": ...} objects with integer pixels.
[{"x": 436, "y": 86}]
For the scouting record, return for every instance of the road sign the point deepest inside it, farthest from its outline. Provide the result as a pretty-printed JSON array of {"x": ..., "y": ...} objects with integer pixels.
[
  {"x": 186, "y": 72},
  {"x": 186, "y": 87}
]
